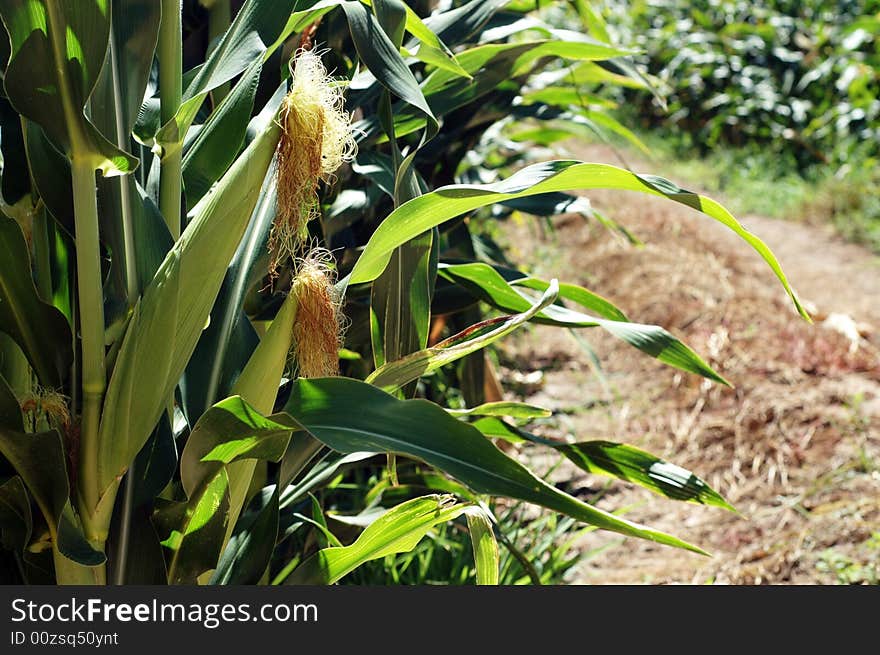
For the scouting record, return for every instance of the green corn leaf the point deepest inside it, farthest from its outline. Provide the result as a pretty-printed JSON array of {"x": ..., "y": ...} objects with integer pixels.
[
  {"x": 398, "y": 530},
  {"x": 258, "y": 30},
  {"x": 634, "y": 465},
  {"x": 503, "y": 408},
  {"x": 134, "y": 32},
  {"x": 493, "y": 426},
  {"x": 458, "y": 25},
  {"x": 39, "y": 329},
  {"x": 429, "y": 49},
  {"x": 395, "y": 374},
  {"x": 167, "y": 321},
  {"x": 432, "y": 209},
  {"x": 489, "y": 66},
  {"x": 497, "y": 282},
  {"x": 114, "y": 107},
  {"x": 486, "y": 558},
  {"x": 617, "y": 460},
  {"x": 218, "y": 142},
  {"x": 420, "y": 429},
  {"x": 231, "y": 431},
  {"x": 57, "y": 51},
  {"x": 246, "y": 557},
  {"x": 487, "y": 284},
  {"x": 193, "y": 530},
  {"x": 383, "y": 60}
]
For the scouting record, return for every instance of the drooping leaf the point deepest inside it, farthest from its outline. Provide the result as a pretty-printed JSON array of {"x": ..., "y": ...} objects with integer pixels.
[
  {"x": 423, "y": 430},
  {"x": 642, "y": 468},
  {"x": 488, "y": 284},
  {"x": 378, "y": 54},
  {"x": 231, "y": 430},
  {"x": 496, "y": 281},
  {"x": 258, "y": 385},
  {"x": 195, "y": 531},
  {"x": 428, "y": 47},
  {"x": 434, "y": 208},
  {"x": 617, "y": 460},
  {"x": 461, "y": 23}
]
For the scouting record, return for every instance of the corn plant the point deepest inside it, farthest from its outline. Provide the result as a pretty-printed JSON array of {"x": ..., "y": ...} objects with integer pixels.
[{"x": 222, "y": 266}]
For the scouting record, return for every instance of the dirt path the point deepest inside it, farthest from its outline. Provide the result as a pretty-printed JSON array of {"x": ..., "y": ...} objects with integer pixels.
[{"x": 795, "y": 446}]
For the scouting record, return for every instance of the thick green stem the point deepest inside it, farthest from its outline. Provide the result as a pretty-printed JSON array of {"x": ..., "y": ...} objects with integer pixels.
[
  {"x": 91, "y": 330},
  {"x": 171, "y": 89}
]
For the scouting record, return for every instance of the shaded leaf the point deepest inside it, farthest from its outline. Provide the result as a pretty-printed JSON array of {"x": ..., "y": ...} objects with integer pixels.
[
  {"x": 39, "y": 329},
  {"x": 57, "y": 51},
  {"x": 40, "y": 461},
  {"x": 249, "y": 550}
]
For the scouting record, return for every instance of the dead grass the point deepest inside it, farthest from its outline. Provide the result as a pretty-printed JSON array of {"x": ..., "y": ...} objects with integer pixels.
[{"x": 794, "y": 446}]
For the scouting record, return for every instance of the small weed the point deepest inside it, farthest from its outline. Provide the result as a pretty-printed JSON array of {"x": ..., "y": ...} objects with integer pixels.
[{"x": 852, "y": 571}]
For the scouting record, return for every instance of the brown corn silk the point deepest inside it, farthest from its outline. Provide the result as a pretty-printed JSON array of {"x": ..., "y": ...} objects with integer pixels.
[
  {"x": 316, "y": 139},
  {"x": 317, "y": 329},
  {"x": 45, "y": 408}
]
